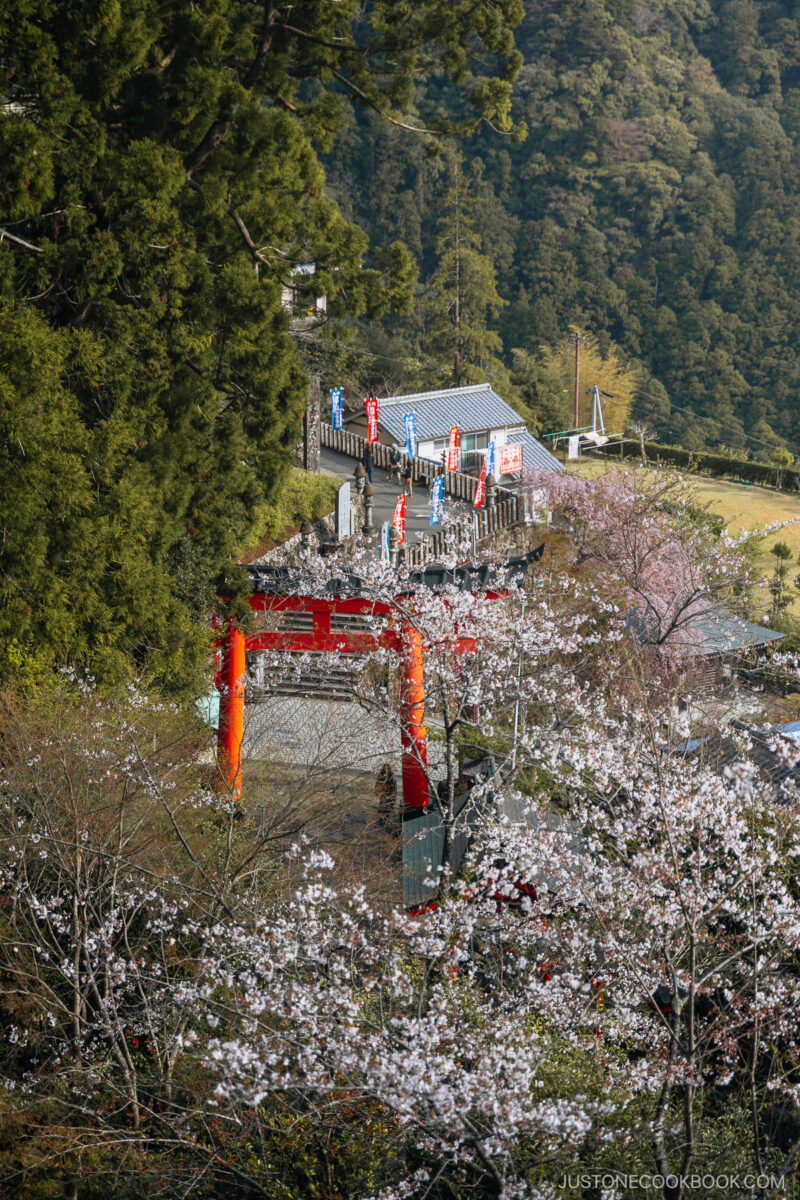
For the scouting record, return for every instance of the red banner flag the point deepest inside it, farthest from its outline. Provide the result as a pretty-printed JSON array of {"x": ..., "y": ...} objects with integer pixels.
[
  {"x": 478, "y": 501},
  {"x": 452, "y": 452},
  {"x": 509, "y": 458},
  {"x": 372, "y": 420},
  {"x": 399, "y": 518}
]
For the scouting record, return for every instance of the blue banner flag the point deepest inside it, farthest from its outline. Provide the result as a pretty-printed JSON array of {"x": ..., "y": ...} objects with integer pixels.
[
  {"x": 385, "y": 541},
  {"x": 437, "y": 500},
  {"x": 336, "y": 408},
  {"x": 409, "y": 421}
]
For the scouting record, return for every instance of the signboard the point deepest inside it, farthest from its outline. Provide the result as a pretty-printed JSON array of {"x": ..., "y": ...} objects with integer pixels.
[
  {"x": 437, "y": 500},
  {"x": 452, "y": 450},
  {"x": 509, "y": 458},
  {"x": 336, "y": 408},
  {"x": 385, "y": 541},
  {"x": 399, "y": 519},
  {"x": 343, "y": 512},
  {"x": 372, "y": 420},
  {"x": 573, "y": 446},
  {"x": 409, "y": 421}
]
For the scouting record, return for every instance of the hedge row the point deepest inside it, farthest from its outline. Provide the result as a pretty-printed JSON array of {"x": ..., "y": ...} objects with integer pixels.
[{"x": 713, "y": 464}]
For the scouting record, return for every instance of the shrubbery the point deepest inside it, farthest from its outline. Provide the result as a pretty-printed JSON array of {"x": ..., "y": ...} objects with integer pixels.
[
  {"x": 713, "y": 464},
  {"x": 304, "y": 496}
]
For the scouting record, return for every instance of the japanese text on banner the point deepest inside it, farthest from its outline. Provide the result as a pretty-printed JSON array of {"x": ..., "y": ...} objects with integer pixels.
[
  {"x": 479, "y": 491},
  {"x": 409, "y": 421},
  {"x": 336, "y": 408},
  {"x": 437, "y": 500},
  {"x": 399, "y": 519},
  {"x": 452, "y": 450},
  {"x": 509, "y": 459},
  {"x": 486, "y": 470},
  {"x": 372, "y": 420},
  {"x": 489, "y": 461}
]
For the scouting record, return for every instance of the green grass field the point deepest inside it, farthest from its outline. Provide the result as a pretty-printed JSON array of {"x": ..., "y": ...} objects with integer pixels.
[{"x": 742, "y": 507}]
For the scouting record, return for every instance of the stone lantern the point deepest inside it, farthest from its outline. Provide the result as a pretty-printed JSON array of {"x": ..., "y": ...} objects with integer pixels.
[
  {"x": 491, "y": 492},
  {"x": 394, "y": 545},
  {"x": 369, "y": 502},
  {"x": 307, "y": 535},
  {"x": 361, "y": 478}
]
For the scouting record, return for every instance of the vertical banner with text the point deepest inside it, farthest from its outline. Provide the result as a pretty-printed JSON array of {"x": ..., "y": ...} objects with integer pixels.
[
  {"x": 452, "y": 450},
  {"x": 372, "y": 420},
  {"x": 385, "y": 541},
  {"x": 489, "y": 461},
  {"x": 399, "y": 519},
  {"x": 480, "y": 489},
  {"x": 437, "y": 500},
  {"x": 336, "y": 408},
  {"x": 409, "y": 421}
]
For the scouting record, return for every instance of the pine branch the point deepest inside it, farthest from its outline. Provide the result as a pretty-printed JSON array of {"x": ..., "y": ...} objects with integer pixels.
[
  {"x": 12, "y": 237},
  {"x": 352, "y": 87}
]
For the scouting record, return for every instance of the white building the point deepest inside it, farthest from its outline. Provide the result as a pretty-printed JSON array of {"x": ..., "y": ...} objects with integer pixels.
[{"x": 481, "y": 415}]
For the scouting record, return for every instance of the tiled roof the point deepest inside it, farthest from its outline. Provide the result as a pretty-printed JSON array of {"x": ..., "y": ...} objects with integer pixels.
[
  {"x": 762, "y": 747},
  {"x": 720, "y": 632},
  {"x": 534, "y": 453},
  {"x": 423, "y": 837},
  {"x": 715, "y": 631},
  {"x": 473, "y": 409}
]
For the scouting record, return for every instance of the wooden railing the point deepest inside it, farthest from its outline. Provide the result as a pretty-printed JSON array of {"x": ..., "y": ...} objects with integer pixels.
[{"x": 456, "y": 484}]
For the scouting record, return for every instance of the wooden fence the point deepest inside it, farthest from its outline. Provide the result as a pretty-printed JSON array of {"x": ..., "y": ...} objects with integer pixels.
[{"x": 487, "y": 521}]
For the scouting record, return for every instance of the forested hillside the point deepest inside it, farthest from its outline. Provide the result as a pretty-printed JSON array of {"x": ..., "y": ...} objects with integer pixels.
[{"x": 652, "y": 204}]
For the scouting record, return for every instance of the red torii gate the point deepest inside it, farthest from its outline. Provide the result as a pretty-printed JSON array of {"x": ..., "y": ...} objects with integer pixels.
[{"x": 400, "y": 636}]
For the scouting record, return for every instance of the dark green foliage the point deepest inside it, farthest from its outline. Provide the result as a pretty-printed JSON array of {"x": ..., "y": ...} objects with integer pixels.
[
  {"x": 653, "y": 204},
  {"x": 461, "y": 295},
  {"x": 158, "y": 187}
]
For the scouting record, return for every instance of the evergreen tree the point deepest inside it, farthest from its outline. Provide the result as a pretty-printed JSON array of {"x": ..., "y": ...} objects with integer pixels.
[
  {"x": 462, "y": 294},
  {"x": 159, "y": 185},
  {"x": 653, "y": 202}
]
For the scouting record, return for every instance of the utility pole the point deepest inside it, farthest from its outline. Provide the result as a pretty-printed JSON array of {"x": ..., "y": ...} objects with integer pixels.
[{"x": 577, "y": 375}]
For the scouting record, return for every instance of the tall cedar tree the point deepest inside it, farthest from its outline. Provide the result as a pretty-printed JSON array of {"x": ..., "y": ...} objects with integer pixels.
[
  {"x": 462, "y": 292},
  {"x": 158, "y": 184}
]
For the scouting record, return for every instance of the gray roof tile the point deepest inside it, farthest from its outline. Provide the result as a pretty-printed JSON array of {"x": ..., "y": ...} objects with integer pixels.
[
  {"x": 473, "y": 409},
  {"x": 534, "y": 453}
]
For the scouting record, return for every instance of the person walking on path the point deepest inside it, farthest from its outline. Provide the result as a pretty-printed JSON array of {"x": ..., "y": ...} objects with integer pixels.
[
  {"x": 394, "y": 462},
  {"x": 369, "y": 462},
  {"x": 406, "y": 477}
]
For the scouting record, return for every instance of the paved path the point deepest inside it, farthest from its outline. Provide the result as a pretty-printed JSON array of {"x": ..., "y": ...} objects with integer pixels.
[{"x": 418, "y": 506}]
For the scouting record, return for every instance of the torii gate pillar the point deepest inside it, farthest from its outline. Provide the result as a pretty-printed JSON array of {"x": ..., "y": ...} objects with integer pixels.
[
  {"x": 231, "y": 710},
  {"x": 412, "y": 719}
]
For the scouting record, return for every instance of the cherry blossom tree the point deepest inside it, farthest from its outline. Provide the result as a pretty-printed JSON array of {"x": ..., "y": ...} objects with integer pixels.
[
  {"x": 648, "y": 541},
  {"x": 609, "y": 979}
]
